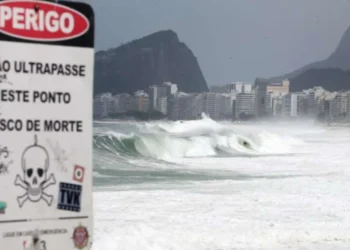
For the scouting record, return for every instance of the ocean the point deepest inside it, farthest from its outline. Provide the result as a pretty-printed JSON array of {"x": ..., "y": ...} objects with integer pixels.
[{"x": 195, "y": 185}]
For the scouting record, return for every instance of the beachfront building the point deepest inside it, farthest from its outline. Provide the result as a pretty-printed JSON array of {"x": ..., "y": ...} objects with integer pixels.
[
  {"x": 245, "y": 104},
  {"x": 159, "y": 96}
]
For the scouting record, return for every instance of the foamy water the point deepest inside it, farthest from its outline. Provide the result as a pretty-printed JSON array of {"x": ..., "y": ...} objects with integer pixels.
[{"x": 193, "y": 185}]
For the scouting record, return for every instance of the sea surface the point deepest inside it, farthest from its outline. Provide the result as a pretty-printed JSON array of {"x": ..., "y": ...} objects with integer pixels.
[{"x": 195, "y": 185}]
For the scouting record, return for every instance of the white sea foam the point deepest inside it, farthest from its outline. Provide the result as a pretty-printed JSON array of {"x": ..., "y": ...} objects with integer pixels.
[{"x": 290, "y": 191}]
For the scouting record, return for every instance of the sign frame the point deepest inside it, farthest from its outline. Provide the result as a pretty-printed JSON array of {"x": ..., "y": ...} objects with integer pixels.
[{"x": 46, "y": 124}]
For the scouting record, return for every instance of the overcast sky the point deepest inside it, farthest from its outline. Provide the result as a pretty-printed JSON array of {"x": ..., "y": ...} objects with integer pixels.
[{"x": 233, "y": 40}]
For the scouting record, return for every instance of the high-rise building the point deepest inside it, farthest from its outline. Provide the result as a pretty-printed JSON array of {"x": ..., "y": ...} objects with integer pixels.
[
  {"x": 183, "y": 106},
  {"x": 287, "y": 105},
  {"x": 226, "y": 102},
  {"x": 239, "y": 87},
  {"x": 335, "y": 106},
  {"x": 275, "y": 103},
  {"x": 277, "y": 106},
  {"x": 153, "y": 95},
  {"x": 245, "y": 104},
  {"x": 327, "y": 110},
  {"x": 343, "y": 103},
  {"x": 233, "y": 111},
  {"x": 217, "y": 105},
  {"x": 162, "y": 105},
  {"x": 311, "y": 104},
  {"x": 292, "y": 104},
  {"x": 247, "y": 88},
  {"x": 157, "y": 94},
  {"x": 268, "y": 104},
  {"x": 211, "y": 105},
  {"x": 101, "y": 105},
  {"x": 278, "y": 88},
  {"x": 260, "y": 99},
  {"x": 120, "y": 103},
  {"x": 348, "y": 105},
  {"x": 171, "y": 88},
  {"x": 139, "y": 102},
  {"x": 302, "y": 104},
  {"x": 143, "y": 103}
]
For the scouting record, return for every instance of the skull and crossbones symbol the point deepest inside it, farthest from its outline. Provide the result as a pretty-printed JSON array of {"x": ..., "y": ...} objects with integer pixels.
[{"x": 35, "y": 163}]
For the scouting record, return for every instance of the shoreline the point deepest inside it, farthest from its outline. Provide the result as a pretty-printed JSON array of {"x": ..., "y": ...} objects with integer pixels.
[{"x": 235, "y": 122}]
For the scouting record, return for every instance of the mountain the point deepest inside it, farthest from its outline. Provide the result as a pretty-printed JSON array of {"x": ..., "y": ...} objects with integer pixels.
[
  {"x": 153, "y": 59},
  {"x": 340, "y": 58},
  {"x": 332, "y": 79}
]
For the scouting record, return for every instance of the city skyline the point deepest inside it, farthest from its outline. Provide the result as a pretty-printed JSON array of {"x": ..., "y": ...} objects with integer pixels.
[{"x": 235, "y": 101}]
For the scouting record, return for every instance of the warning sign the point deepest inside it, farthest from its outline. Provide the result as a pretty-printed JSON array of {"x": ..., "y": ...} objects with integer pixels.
[{"x": 46, "y": 84}]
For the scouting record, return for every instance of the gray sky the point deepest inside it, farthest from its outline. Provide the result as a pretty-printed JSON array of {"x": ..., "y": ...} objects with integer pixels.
[{"x": 233, "y": 40}]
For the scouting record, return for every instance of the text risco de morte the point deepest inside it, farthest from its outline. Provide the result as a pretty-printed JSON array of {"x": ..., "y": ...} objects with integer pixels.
[{"x": 15, "y": 125}]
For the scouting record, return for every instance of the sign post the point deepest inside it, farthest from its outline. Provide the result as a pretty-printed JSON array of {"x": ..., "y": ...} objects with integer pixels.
[{"x": 46, "y": 91}]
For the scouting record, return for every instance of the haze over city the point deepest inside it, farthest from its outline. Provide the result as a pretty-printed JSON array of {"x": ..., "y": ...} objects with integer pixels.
[{"x": 232, "y": 40}]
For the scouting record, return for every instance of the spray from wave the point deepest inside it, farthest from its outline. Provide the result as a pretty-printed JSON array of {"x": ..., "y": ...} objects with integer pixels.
[{"x": 168, "y": 141}]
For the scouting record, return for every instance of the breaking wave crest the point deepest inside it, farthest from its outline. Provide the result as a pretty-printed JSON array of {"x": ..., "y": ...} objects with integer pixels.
[{"x": 199, "y": 138}]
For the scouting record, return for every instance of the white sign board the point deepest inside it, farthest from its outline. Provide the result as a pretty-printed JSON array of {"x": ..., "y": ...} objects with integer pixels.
[{"x": 46, "y": 90}]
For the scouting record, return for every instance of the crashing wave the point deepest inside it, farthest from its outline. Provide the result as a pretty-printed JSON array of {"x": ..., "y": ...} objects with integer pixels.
[{"x": 197, "y": 138}]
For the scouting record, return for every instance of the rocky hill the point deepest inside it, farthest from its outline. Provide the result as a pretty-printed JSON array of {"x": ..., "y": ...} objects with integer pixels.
[
  {"x": 340, "y": 58},
  {"x": 150, "y": 60},
  {"x": 332, "y": 79}
]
